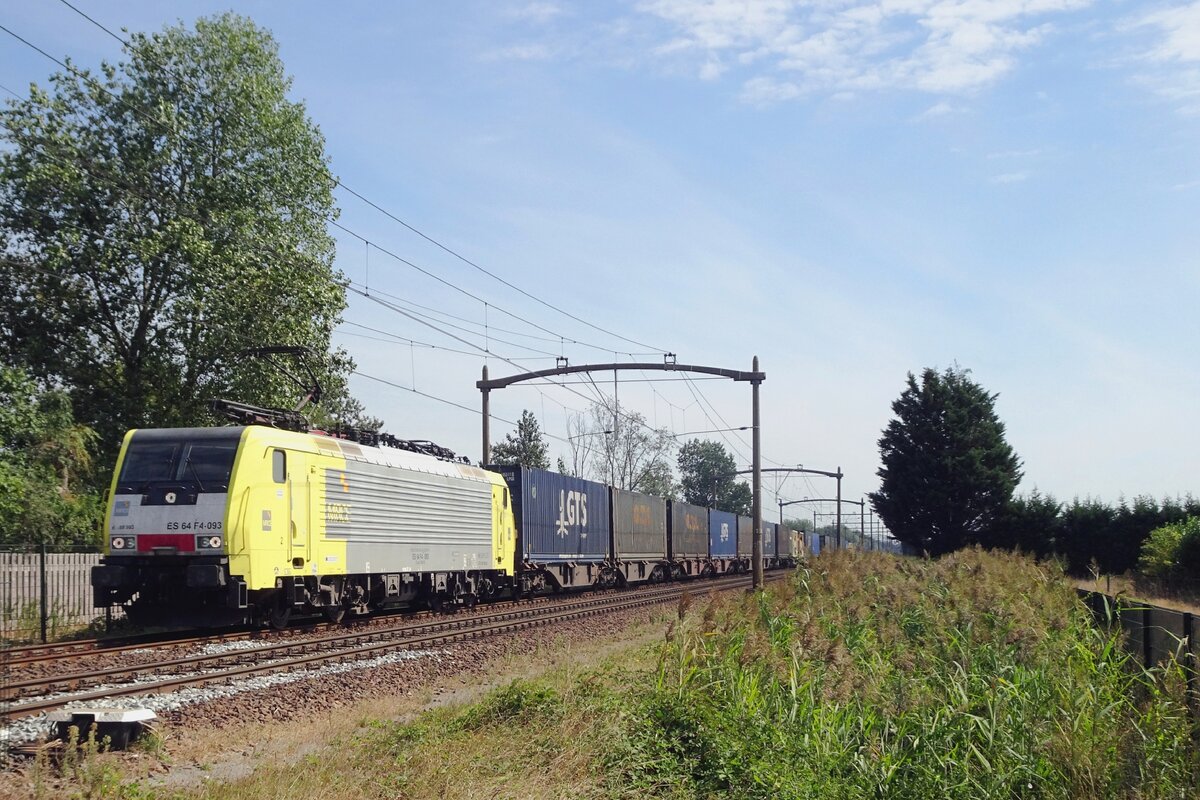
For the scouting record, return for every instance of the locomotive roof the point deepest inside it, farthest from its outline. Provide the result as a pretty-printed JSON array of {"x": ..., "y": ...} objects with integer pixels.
[{"x": 328, "y": 445}]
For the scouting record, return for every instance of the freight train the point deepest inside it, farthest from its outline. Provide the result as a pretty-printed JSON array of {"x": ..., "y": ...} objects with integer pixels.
[{"x": 252, "y": 524}]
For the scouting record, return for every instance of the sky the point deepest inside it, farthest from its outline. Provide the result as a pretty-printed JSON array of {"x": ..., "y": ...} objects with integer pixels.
[{"x": 850, "y": 190}]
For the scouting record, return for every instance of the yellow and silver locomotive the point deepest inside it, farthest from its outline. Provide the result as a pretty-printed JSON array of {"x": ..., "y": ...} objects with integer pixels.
[{"x": 248, "y": 523}]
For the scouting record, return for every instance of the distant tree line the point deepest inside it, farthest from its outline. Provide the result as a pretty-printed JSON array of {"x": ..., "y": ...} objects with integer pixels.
[{"x": 947, "y": 481}]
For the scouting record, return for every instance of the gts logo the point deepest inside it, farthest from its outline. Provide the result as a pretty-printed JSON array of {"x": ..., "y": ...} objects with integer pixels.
[{"x": 572, "y": 510}]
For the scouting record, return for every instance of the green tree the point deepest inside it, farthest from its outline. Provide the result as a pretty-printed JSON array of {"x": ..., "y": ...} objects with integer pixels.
[
  {"x": 706, "y": 477},
  {"x": 619, "y": 447},
  {"x": 947, "y": 471},
  {"x": 45, "y": 465},
  {"x": 525, "y": 446},
  {"x": 159, "y": 215}
]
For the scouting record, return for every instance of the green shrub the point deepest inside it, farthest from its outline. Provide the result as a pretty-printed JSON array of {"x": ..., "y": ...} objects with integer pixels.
[{"x": 1172, "y": 551}]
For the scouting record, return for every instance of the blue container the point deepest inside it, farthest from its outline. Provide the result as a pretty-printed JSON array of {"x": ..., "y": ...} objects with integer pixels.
[
  {"x": 768, "y": 534},
  {"x": 559, "y": 518},
  {"x": 722, "y": 534},
  {"x": 814, "y": 544}
]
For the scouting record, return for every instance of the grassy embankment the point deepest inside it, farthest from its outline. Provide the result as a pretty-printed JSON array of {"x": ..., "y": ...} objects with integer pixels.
[{"x": 867, "y": 676}]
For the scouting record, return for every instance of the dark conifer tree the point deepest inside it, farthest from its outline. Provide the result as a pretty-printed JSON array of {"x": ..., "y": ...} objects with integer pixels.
[{"x": 947, "y": 471}]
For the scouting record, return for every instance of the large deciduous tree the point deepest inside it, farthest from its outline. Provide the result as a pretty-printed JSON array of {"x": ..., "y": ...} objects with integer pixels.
[
  {"x": 526, "y": 446},
  {"x": 619, "y": 447},
  {"x": 947, "y": 471},
  {"x": 158, "y": 216},
  {"x": 706, "y": 477}
]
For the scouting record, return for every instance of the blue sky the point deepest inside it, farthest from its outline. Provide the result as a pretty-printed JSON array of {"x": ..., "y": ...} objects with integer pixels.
[{"x": 849, "y": 190}]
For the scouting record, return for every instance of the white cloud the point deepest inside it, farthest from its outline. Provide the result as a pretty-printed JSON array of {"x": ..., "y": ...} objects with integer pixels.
[
  {"x": 1180, "y": 31},
  {"x": 1010, "y": 177},
  {"x": 936, "y": 46},
  {"x": 1169, "y": 62},
  {"x": 938, "y": 109},
  {"x": 536, "y": 12},
  {"x": 530, "y": 51},
  {"x": 768, "y": 91}
]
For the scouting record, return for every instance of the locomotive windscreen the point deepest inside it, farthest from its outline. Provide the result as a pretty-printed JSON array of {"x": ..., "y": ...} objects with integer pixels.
[{"x": 201, "y": 457}]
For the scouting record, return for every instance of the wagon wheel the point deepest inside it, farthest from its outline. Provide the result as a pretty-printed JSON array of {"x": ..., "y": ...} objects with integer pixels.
[{"x": 279, "y": 616}]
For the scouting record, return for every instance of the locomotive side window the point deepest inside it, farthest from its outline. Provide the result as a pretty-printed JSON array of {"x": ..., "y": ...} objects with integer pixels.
[
  {"x": 506, "y": 497},
  {"x": 279, "y": 466}
]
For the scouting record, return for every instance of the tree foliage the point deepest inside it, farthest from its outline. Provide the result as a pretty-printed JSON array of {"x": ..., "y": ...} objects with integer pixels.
[
  {"x": 525, "y": 446},
  {"x": 706, "y": 477},
  {"x": 1172, "y": 551},
  {"x": 157, "y": 217},
  {"x": 45, "y": 466},
  {"x": 621, "y": 449},
  {"x": 947, "y": 471}
]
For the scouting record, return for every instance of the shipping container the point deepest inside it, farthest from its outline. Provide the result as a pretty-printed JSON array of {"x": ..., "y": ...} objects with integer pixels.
[
  {"x": 768, "y": 539},
  {"x": 639, "y": 526},
  {"x": 814, "y": 544},
  {"x": 722, "y": 534},
  {"x": 689, "y": 531},
  {"x": 745, "y": 545},
  {"x": 559, "y": 518},
  {"x": 789, "y": 544}
]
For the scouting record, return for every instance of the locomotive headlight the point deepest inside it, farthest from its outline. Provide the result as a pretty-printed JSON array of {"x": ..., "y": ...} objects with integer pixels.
[
  {"x": 118, "y": 543},
  {"x": 208, "y": 542},
  {"x": 122, "y": 543}
]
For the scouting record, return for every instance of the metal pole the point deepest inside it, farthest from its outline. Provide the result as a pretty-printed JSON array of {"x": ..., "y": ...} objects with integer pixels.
[
  {"x": 780, "y": 501},
  {"x": 756, "y": 510},
  {"x": 839, "y": 508},
  {"x": 616, "y": 442},
  {"x": 45, "y": 609},
  {"x": 862, "y": 523},
  {"x": 487, "y": 418}
]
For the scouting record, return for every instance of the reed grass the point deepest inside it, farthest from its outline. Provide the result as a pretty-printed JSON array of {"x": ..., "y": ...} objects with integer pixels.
[{"x": 868, "y": 676}]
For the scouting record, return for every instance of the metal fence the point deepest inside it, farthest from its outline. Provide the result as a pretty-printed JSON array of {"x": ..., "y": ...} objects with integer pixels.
[
  {"x": 44, "y": 595},
  {"x": 1153, "y": 633}
]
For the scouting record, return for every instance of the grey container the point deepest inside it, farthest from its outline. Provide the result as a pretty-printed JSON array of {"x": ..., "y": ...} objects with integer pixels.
[
  {"x": 689, "y": 530},
  {"x": 559, "y": 518},
  {"x": 786, "y": 545},
  {"x": 745, "y": 546},
  {"x": 722, "y": 534},
  {"x": 639, "y": 526}
]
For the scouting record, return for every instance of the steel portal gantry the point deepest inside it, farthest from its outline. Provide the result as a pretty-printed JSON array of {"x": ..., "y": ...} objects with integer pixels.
[{"x": 754, "y": 377}]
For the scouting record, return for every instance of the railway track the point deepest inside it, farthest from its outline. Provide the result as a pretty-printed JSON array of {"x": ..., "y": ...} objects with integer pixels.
[{"x": 25, "y": 698}]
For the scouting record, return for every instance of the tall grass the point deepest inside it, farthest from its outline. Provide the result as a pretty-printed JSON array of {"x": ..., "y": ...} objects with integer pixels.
[{"x": 870, "y": 676}]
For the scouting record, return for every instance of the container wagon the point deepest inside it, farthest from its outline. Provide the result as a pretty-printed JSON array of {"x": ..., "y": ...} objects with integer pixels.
[
  {"x": 639, "y": 537},
  {"x": 564, "y": 532}
]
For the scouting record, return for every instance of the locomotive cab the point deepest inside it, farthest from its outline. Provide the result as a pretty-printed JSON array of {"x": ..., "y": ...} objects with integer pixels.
[{"x": 166, "y": 526}]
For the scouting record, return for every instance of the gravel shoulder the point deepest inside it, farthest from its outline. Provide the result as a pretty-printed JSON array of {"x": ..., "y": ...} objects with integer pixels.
[{"x": 227, "y": 739}]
